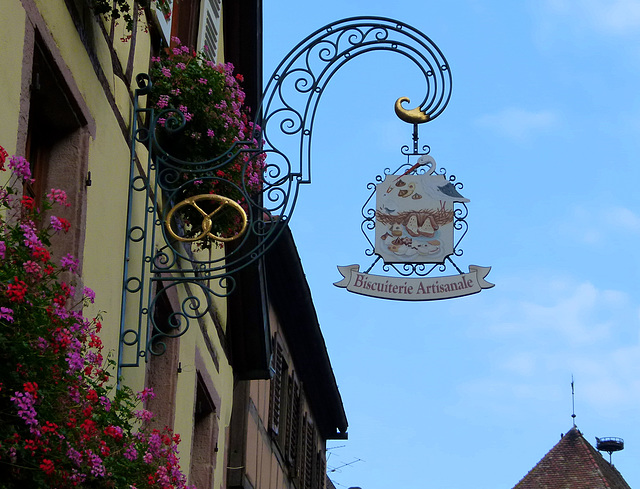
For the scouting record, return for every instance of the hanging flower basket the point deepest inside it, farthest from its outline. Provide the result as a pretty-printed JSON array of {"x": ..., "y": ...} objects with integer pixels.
[{"x": 208, "y": 154}]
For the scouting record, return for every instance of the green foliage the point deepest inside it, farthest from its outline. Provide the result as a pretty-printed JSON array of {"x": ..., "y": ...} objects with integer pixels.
[{"x": 117, "y": 9}]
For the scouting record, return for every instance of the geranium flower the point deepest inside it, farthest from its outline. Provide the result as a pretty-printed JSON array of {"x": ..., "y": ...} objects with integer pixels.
[
  {"x": 20, "y": 167},
  {"x": 16, "y": 290},
  {"x": 32, "y": 267},
  {"x": 60, "y": 224},
  {"x": 57, "y": 196},
  {"x": 28, "y": 203},
  {"x": 3, "y": 158},
  {"x": 68, "y": 262},
  {"x": 6, "y": 313}
]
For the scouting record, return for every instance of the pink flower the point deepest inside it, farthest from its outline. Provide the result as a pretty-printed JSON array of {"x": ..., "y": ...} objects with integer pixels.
[
  {"x": 60, "y": 224},
  {"x": 143, "y": 414},
  {"x": 75, "y": 361},
  {"x": 146, "y": 393},
  {"x": 130, "y": 452},
  {"x": 31, "y": 267},
  {"x": 105, "y": 402},
  {"x": 75, "y": 456},
  {"x": 6, "y": 314},
  {"x": 25, "y": 402},
  {"x": 166, "y": 72},
  {"x": 31, "y": 239},
  {"x": 20, "y": 167},
  {"x": 68, "y": 262},
  {"x": 89, "y": 294},
  {"x": 181, "y": 66},
  {"x": 163, "y": 101},
  {"x": 57, "y": 196},
  {"x": 202, "y": 81}
]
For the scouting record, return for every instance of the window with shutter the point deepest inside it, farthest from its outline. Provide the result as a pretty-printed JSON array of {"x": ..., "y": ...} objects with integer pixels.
[
  {"x": 185, "y": 23},
  {"x": 56, "y": 142},
  {"x": 205, "y": 435}
]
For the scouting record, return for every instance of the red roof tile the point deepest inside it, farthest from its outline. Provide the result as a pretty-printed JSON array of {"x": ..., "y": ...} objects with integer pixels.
[{"x": 573, "y": 464}]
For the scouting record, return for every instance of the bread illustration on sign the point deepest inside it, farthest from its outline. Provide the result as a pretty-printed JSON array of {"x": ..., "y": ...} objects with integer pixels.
[
  {"x": 412, "y": 226},
  {"x": 428, "y": 228},
  {"x": 415, "y": 214}
]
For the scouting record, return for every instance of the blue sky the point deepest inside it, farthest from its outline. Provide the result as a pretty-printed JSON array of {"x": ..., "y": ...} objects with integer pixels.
[{"x": 542, "y": 130}]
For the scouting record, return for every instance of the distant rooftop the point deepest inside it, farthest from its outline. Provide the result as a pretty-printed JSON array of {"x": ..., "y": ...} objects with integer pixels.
[{"x": 573, "y": 464}]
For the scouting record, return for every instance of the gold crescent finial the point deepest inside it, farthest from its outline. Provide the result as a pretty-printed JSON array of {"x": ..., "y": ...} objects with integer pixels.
[{"x": 413, "y": 116}]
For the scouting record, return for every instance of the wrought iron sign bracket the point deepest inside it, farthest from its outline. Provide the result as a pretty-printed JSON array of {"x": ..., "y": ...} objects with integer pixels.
[{"x": 163, "y": 256}]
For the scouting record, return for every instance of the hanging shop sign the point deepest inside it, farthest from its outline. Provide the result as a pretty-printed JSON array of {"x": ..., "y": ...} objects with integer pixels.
[
  {"x": 414, "y": 217},
  {"x": 415, "y": 227}
]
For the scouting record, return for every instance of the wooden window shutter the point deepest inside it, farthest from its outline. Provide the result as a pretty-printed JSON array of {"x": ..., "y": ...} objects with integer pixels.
[
  {"x": 276, "y": 387},
  {"x": 293, "y": 422},
  {"x": 211, "y": 32},
  {"x": 320, "y": 469},
  {"x": 309, "y": 455}
]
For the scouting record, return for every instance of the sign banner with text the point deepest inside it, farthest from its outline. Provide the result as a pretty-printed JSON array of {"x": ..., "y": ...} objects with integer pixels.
[{"x": 414, "y": 289}]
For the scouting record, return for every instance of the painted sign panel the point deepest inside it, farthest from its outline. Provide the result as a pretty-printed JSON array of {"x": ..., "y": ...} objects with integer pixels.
[
  {"x": 414, "y": 289},
  {"x": 414, "y": 218}
]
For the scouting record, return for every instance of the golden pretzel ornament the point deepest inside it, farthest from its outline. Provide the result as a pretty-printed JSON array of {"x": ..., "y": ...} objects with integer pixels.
[{"x": 207, "y": 218}]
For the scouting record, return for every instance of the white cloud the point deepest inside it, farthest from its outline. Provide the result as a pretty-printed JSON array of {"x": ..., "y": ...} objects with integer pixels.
[
  {"x": 544, "y": 331},
  {"x": 519, "y": 124},
  {"x": 571, "y": 313},
  {"x": 599, "y": 225},
  {"x": 607, "y": 16}
]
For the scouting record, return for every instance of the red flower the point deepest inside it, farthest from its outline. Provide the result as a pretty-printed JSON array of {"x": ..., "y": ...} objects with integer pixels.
[
  {"x": 31, "y": 445},
  {"x": 50, "y": 427},
  {"x": 47, "y": 466},
  {"x": 95, "y": 342},
  {"x": 17, "y": 290},
  {"x": 41, "y": 253},
  {"x": 92, "y": 396},
  {"x": 66, "y": 289},
  {"x": 89, "y": 427},
  {"x": 3, "y": 157},
  {"x": 31, "y": 387},
  {"x": 28, "y": 203}
]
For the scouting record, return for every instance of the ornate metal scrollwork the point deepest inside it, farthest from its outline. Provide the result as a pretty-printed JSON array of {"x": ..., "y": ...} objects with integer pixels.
[{"x": 159, "y": 251}]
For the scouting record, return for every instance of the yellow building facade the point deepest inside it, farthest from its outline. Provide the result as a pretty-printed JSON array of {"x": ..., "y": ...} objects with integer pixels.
[
  {"x": 69, "y": 82},
  {"x": 68, "y": 86}
]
